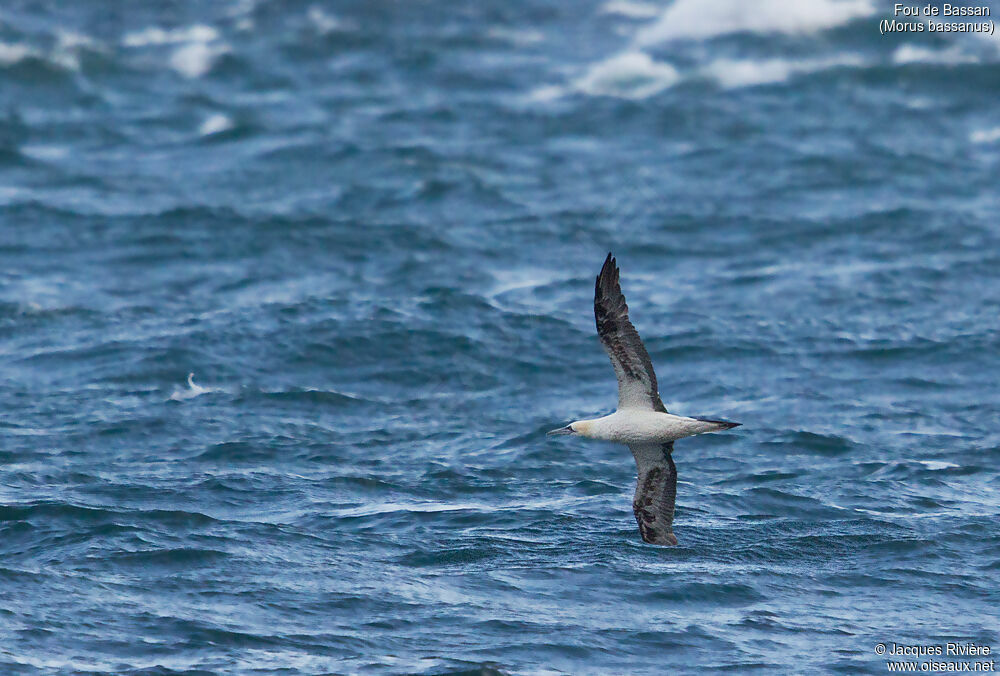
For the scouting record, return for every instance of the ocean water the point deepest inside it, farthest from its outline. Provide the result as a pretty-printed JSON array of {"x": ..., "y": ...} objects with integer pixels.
[{"x": 371, "y": 229}]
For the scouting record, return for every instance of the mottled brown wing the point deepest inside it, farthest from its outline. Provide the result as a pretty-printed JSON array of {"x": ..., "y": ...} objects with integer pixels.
[
  {"x": 655, "y": 492},
  {"x": 636, "y": 379}
]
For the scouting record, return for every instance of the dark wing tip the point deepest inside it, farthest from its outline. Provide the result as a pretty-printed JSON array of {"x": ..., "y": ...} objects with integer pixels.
[
  {"x": 610, "y": 265},
  {"x": 723, "y": 424},
  {"x": 607, "y": 269},
  {"x": 610, "y": 308},
  {"x": 608, "y": 278}
]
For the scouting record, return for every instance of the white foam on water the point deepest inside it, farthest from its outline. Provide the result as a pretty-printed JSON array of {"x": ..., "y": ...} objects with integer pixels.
[
  {"x": 13, "y": 53},
  {"x": 70, "y": 40},
  {"x": 985, "y": 135},
  {"x": 733, "y": 73},
  {"x": 70, "y": 45},
  {"x": 215, "y": 124},
  {"x": 745, "y": 73},
  {"x": 516, "y": 36},
  {"x": 65, "y": 53},
  {"x": 630, "y": 75},
  {"x": 45, "y": 152},
  {"x": 159, "y": 36},
  {"x": 321, "y": 21},
  {"x": 192, "y": 390},
  {"x": 698, "y": 19},
  {"x": 908, "y": 53},
  {"x": 630, "y": 9},
  {"x": 937, "y": 464},
  {"x": 195, "y": 59},
  {"x": 547, "y": 93},
  {"x": 634, "y": 74},
  {"x": 198, "y": 46},
  {"x": 242, "y": 14}
]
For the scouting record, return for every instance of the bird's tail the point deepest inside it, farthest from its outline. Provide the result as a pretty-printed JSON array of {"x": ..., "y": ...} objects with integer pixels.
[{"x": 721, "y": 424}]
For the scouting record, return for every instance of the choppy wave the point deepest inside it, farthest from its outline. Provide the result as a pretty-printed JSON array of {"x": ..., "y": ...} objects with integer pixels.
[
  {"x": 197, "y": 46},
  {"x": 216, "y": 123},
  {"x": 635, "y": 75},
  {"x": 377, "y": 251},
  {"x": 991, "y": 135},
  {"x": 631, "y": 75},
  {"x": 748, "y": 72},
  {"x": 192, "y": 390},
  {"x": 702, "y": 19},
  {"x": 633, "y": 72},
  {"x": 158, "y": 36},
  {"x": 632, "y": 10}
]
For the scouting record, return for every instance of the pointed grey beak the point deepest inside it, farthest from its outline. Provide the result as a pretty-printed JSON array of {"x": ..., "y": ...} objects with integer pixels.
[{"x": 562, "y": 430}]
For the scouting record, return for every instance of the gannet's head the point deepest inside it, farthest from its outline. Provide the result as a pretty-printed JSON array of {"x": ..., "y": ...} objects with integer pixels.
[{"x": 579, "y": 428}]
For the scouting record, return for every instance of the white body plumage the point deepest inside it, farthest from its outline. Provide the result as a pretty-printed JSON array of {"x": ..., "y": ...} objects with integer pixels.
[{"x": 638, "y": 426}]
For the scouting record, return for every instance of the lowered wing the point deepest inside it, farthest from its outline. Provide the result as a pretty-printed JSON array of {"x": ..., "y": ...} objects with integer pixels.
[{"x": 655, "y": 492}]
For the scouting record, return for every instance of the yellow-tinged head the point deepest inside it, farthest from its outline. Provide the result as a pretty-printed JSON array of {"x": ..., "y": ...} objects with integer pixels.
[{"x": 584, "y": 428}]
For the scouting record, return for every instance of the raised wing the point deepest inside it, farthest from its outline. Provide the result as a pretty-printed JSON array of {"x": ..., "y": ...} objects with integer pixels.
[
  {"x": 655, "y": 492},
  {"x": 636, "y": 378}
]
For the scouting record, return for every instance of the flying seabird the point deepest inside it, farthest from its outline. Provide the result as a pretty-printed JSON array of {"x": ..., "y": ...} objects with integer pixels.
[{"x": 641, "y": 421}]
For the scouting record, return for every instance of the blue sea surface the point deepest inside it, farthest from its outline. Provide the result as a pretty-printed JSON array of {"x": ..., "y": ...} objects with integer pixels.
[{"x": 371, "y": 230}]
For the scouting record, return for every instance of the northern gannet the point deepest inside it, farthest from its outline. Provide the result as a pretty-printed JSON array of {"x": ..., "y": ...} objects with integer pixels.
[{"x": 641, "y": 421}]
